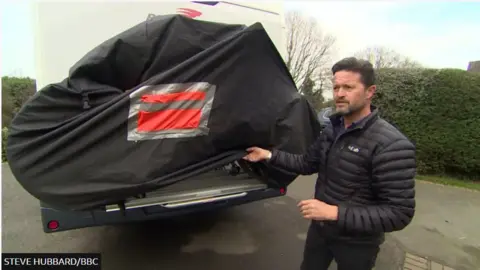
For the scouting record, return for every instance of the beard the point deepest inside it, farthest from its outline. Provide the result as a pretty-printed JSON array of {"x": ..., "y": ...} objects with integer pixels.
[{"x": 347, "y": 109}]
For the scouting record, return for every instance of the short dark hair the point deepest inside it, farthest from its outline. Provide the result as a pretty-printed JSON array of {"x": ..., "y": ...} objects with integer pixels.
[{"x": 365, "y": 68}]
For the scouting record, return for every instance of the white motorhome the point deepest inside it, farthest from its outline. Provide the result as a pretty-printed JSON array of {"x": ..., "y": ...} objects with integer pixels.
[{"x": 66, "y": 31}]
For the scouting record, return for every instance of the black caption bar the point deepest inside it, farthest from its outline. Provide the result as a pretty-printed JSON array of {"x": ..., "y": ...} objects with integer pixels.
[{"x": 58, "y": 261}]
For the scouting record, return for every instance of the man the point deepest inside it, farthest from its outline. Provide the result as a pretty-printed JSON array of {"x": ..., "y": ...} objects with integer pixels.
[{"x": 366, "y": 171}]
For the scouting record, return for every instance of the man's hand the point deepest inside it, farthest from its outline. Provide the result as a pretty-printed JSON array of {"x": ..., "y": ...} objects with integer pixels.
[
  {"x": 257, "y": 154},
  {"x": 318, "y": 210}
]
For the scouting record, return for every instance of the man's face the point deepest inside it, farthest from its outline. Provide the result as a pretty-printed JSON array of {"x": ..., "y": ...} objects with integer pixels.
[{"x": 349, "y": 93}]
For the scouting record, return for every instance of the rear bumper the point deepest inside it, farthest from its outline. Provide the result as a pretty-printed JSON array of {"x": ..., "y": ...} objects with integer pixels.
[{"x": 69, "y": 220}]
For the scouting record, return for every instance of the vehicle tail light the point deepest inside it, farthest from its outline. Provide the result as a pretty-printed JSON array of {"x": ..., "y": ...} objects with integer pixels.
[
  {"x": 53, "y": 225},
  {"x": 282, "y": 190}
]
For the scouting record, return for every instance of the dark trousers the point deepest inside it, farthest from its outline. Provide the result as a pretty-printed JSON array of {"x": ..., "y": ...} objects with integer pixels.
[{"x": 321, "y": 249}]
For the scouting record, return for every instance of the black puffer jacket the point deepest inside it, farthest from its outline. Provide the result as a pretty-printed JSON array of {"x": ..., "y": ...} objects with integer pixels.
[{"x": 368, "y": 171}]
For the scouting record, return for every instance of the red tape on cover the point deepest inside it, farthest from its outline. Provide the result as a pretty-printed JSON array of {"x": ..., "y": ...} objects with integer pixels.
[
  {"x": 169, "y": 119},
  {"x": 164, "y": 98}
]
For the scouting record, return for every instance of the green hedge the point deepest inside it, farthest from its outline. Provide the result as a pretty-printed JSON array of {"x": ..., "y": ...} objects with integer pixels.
[
  {"x": 439, "y": 110},
  {"x": 4, "y": 143},
  {"x": 15, "y": 92}
]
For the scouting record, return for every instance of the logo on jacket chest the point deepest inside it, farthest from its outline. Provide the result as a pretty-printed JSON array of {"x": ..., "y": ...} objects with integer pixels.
[{"x": 353, "y": 148}]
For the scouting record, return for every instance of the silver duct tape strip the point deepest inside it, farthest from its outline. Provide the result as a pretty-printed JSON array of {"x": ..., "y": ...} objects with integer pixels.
[
  {"x": 176, "y": 105},
  {"x": 136, "y": 105}
]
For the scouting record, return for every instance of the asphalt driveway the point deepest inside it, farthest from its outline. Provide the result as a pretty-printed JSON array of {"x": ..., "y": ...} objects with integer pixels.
[{"x": 262, "y": 235}]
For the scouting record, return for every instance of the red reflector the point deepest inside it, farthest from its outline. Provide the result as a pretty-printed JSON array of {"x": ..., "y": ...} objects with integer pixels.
[
  {"x": 53, "y": 225},
  {"x": 169, "y": 119},
  {"x": 282, "y": 190}
]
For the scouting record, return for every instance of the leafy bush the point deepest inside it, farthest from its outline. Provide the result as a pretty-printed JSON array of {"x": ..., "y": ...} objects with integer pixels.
[
  {"x": 4, "y": 143},
  {"x": 15, "y": 92},
  {"x": 439, "y": 110}
]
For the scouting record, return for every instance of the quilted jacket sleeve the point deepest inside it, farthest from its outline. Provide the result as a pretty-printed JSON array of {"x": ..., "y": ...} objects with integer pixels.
[
  {"x": 304, "y": 164},
  {"x": 393, "y": 171}
]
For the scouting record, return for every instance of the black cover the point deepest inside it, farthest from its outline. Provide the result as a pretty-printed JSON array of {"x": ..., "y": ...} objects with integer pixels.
[{"x": 163, "y": 101}]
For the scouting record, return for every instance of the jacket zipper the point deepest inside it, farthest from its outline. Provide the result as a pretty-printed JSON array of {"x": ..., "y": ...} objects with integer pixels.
[{"x": 333, "y": 147}]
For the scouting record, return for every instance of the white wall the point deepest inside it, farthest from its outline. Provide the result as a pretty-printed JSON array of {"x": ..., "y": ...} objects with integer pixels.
[{"x": 66, "y": 31}]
